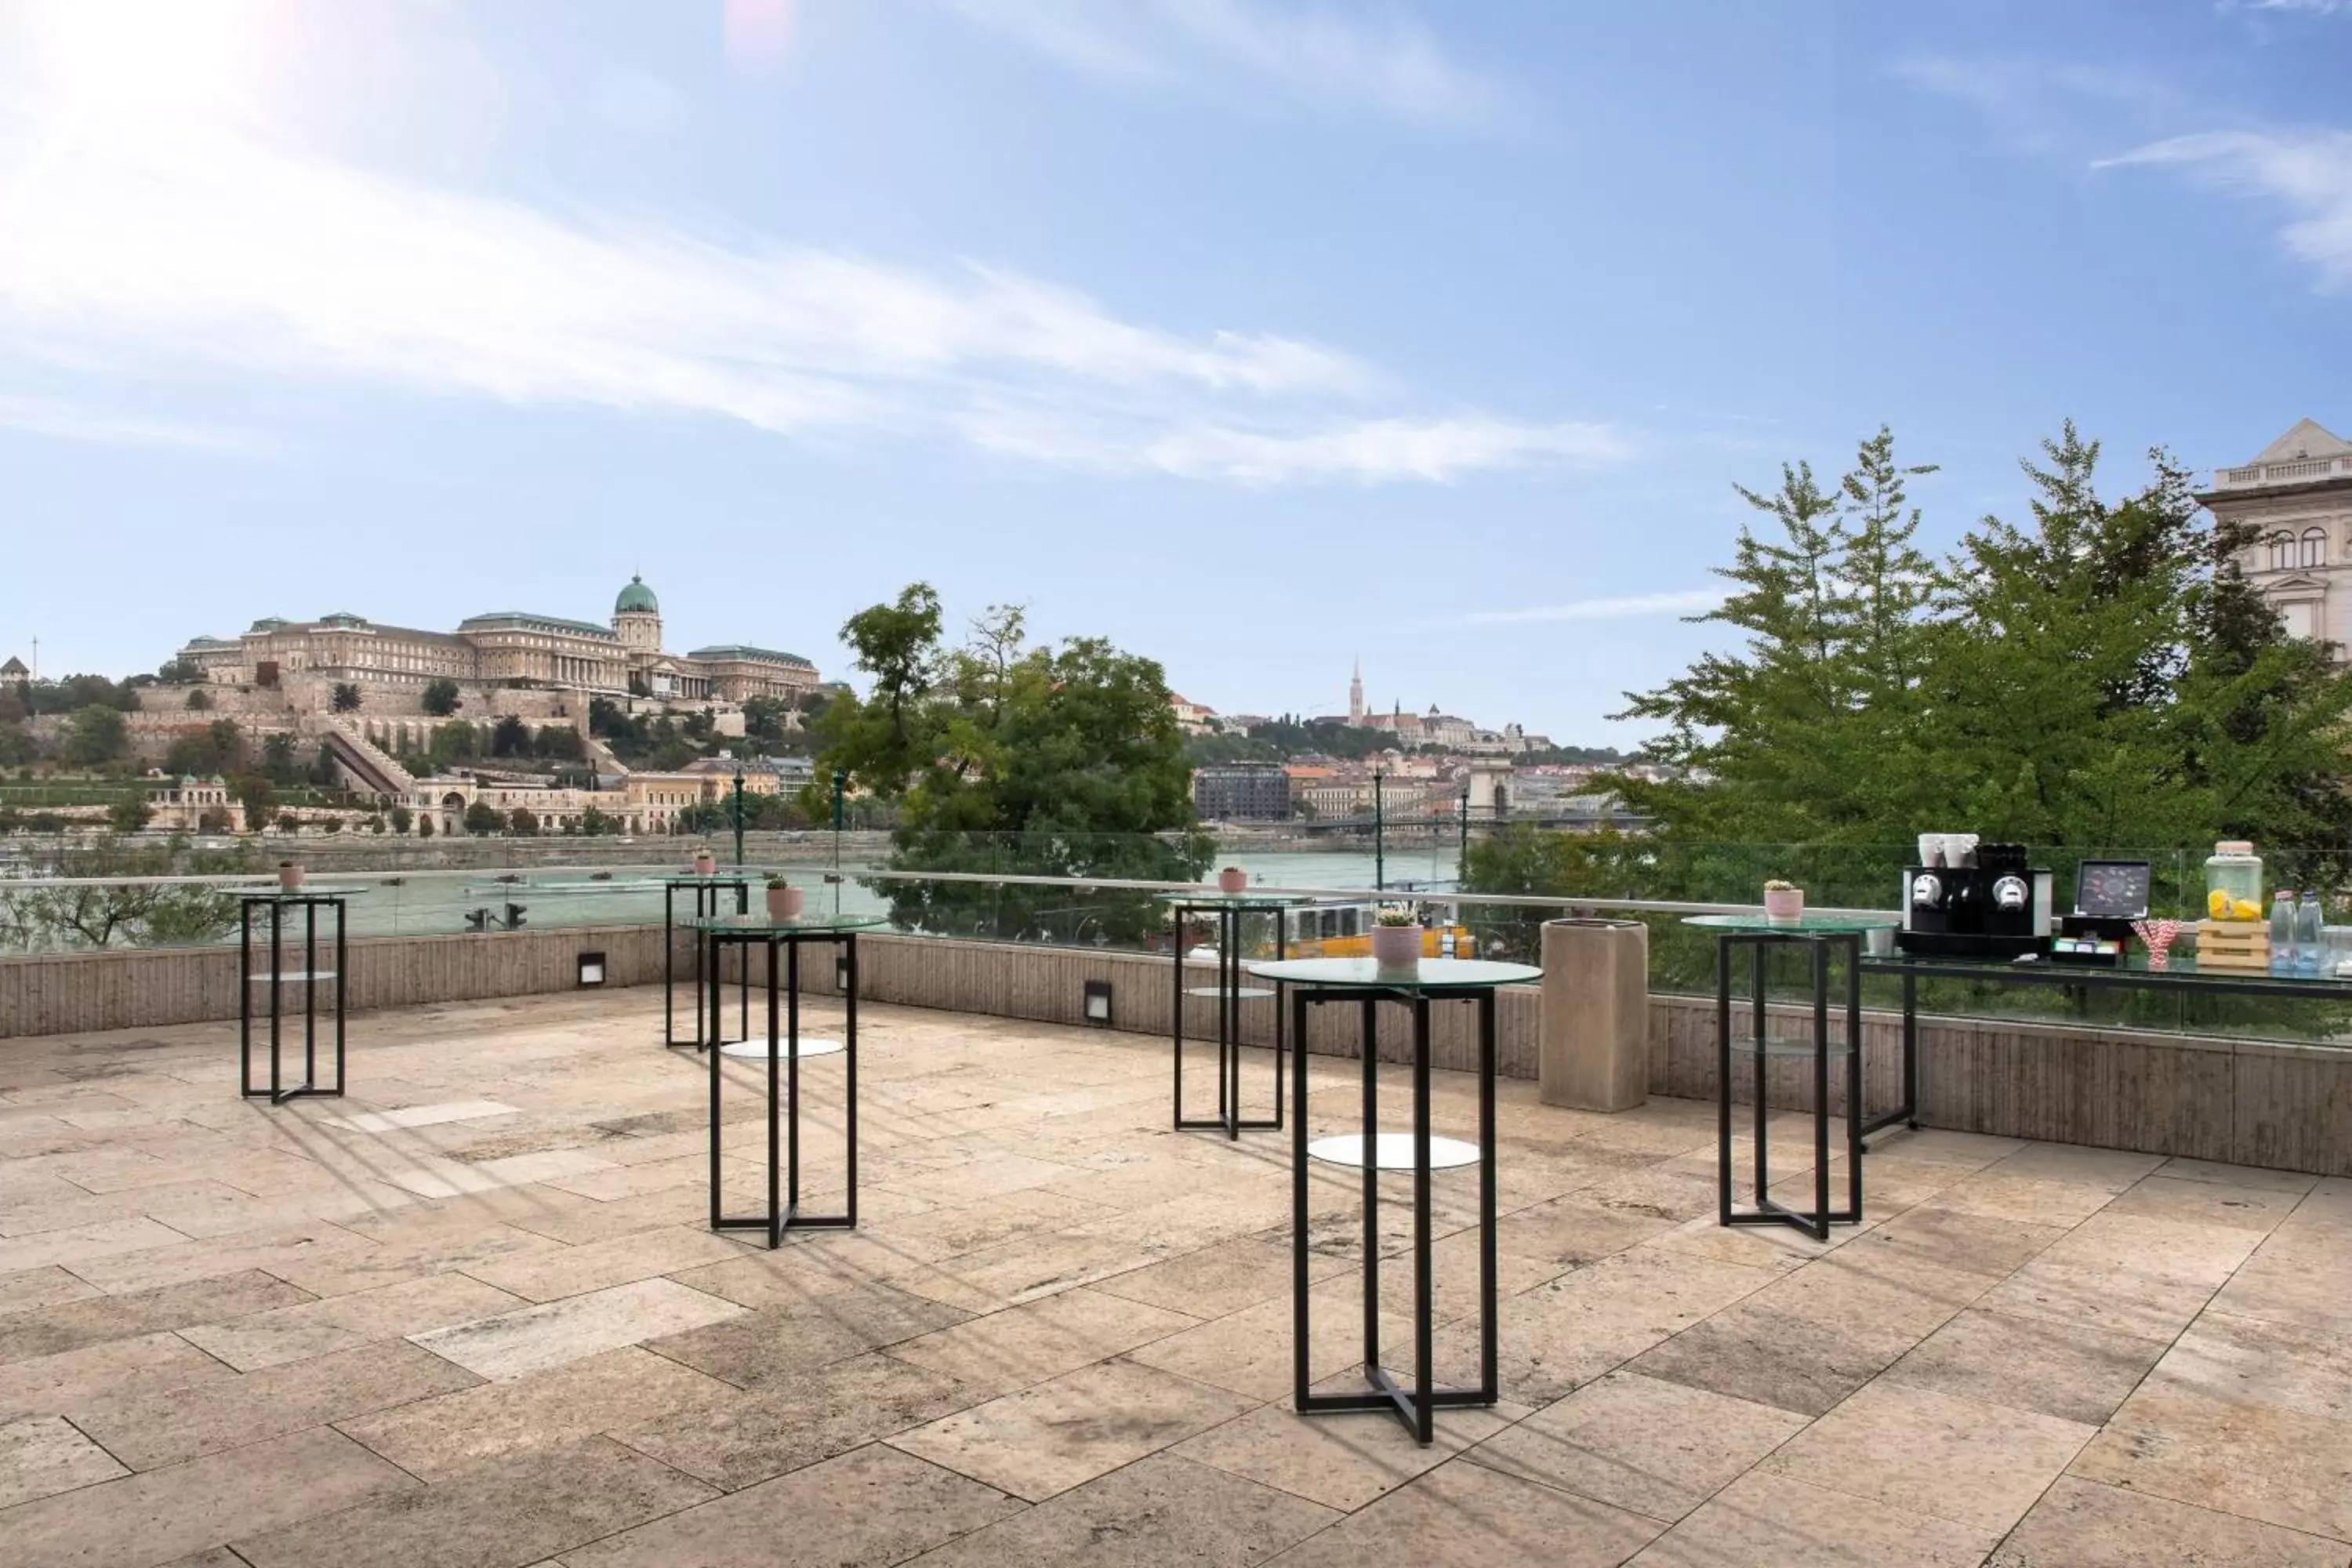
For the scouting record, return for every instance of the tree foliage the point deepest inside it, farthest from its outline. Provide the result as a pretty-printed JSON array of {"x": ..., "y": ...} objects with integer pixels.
[
  {"x": 98, "y": 911},
  {"x": 1020, "y": 760},
  {"x": 440, "y": 697},
  {"x": 346, "y": 698},
  {"x": 2099, "y": 676}
]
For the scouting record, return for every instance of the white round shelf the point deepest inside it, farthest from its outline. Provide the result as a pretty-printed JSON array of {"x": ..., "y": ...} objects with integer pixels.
[
  {"x": 810, "y": 1045},
  {"x": 1392, "y": 1152}
]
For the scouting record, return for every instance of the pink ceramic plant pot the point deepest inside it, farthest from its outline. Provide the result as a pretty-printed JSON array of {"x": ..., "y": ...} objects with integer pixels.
[
  {"x": 705, "y": 862},
  {"x": 785, "y": 904},
  {"x": 1233, "y": 879},
  {"x": 1784, "y": 906},
  {"x": 289, "y": 877},
  {"x": 1396, "y": 947}
]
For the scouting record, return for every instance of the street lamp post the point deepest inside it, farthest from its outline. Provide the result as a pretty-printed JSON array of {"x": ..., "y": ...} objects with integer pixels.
[
  {"x": 1379, "y": 853},
  {"x": 738, "y": 816}
]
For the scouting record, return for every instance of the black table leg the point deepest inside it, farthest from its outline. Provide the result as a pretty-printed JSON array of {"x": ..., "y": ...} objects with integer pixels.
[
  {"x": 1227, "y": 993},
  {"x": 783, "y": 1089},
  {"x": 1767, "y": 1210},
  {"x": 1415, "y": 1405}
]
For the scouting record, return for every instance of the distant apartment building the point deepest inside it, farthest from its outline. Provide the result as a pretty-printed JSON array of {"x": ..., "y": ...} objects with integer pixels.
[
  {"x": 500, "y": 647},
  {"x": 1242, "y": 792},
  {"x": 2298, "y": 495}
]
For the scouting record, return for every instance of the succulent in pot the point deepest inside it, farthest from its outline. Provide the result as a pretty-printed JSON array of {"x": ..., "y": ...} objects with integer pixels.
[
  {"x": 1396, "y": 938},
  {"x": 705, "y": 862},
  {"x": 785, "y": 900},
  {"x": 1784, "y": 903}
]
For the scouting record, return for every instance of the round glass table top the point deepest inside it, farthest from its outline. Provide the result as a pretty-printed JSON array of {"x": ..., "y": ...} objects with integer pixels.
[
  {"x": 1208, "y": 897},
  {"x": 1429, "y": 974},
  {"x": 1807, "y": 921},
  {"x": 761, "y": 923}
]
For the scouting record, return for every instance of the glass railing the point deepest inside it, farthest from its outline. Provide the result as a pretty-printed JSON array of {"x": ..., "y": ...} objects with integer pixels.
[{"x": 1097, "y": 892}]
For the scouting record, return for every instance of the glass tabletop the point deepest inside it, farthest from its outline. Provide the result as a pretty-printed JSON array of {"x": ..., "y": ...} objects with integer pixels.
[
  {"x": 760, "y": 923},
  {"x": 2135, "y": 970},
  {"x": 1207, "y": 898},
  {"x": 1430, "y": 974},
  {"x": 1809, "y": 922}
]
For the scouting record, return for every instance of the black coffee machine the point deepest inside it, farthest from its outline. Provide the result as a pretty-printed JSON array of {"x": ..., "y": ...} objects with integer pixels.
[{"x": 1991, "y": 905}]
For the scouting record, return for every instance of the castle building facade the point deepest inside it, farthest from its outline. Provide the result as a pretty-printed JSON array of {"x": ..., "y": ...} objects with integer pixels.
[{"x": 505, "y": 647}]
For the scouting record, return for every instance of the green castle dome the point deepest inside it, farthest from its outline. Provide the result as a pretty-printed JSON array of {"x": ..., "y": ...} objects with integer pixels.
[{"x": 637, "y": 596}]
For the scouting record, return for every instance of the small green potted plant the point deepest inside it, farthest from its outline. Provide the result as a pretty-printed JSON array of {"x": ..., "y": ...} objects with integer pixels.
[
  {"x": 1396, "y": 938},
  {"x": 1784, "y": 903},
  {"x": 783, "y": 900}
]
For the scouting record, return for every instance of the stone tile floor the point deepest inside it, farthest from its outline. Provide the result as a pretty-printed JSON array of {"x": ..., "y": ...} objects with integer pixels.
[{"x": 470, "y": 1317}]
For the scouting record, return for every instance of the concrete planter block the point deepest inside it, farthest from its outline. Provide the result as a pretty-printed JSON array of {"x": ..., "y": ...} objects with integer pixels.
[{"x": 1596, "y": 1013}]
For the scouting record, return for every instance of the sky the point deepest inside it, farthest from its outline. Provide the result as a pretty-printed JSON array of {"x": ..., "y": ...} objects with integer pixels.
[{"x": 1257, "y": 336}]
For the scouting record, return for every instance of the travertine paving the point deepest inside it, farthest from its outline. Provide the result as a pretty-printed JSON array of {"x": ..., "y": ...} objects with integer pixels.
[{"x": 471, "y": 1318}]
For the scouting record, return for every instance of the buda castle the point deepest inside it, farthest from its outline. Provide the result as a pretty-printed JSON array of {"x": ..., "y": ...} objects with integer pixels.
[{"x": 504, "y": 647}]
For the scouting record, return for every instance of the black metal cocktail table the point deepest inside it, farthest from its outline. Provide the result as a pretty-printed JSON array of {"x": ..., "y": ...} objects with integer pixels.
[
  {"x": 305, "y": 908},
  {"x": 706, "y": 892},
  {"x": 783, "y": 939},
  {"x": 1230, "y": 994},
  {"x": 1820, "y": 935},
  {"x": 1318, "y": 981}
]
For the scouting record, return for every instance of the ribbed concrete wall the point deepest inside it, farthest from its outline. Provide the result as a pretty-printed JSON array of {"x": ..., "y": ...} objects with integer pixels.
[{"x": 2247, "y": 1102}]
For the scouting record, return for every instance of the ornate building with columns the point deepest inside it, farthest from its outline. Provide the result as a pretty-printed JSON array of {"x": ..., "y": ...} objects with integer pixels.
[
  {"x": 504, "y": 647},
  {"x": 2297, "y": 494}
]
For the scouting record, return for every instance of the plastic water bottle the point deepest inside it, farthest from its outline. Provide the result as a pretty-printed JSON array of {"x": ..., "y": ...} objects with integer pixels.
[
  {"x": 2308, "y": 937},
  {"x": 2282, "y": 932}
]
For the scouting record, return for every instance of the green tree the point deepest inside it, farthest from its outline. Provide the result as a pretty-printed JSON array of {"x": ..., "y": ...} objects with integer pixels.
[
  {"x": 402, "y": 817},
  {"x": 278, "y": 759},
  {"x": 130, "y": 814},
  {"x": 595, "y": 824},
  {"x": 346, "y": 698},
  {"x": 559, "y": 743},
  {"x": 522, "y": 820},
  {"x": 102, "y": 905},
  {"x": 178, "y": 672},
  {"x": 425, "y": 827},
  {"x": 199, "y": 701},
  {"x": 289, "y": 822},
  {"x": 483, "y": 818},
  {"x": 440, "y": 697},
  {"x": 95, "y": 735},
  {"x": 2098, "y": 676},
  {"x": 258, "y": 797},
  {"x": 454, "y": 743},
  {"x": 1027, "y": 760},
  {"x": 510, "y": 737},
  {"x": 17, "y": 746}
]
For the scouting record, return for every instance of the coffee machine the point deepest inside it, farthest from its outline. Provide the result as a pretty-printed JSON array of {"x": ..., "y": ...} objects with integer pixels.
[{"x": 1989, "y": 902}]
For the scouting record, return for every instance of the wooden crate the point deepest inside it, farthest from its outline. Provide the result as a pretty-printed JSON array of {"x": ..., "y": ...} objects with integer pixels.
[{"x": 2241, "y": 946}]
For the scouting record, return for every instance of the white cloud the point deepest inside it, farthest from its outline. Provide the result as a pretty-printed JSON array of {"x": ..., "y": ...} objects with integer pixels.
[
  {"x": 154, "y": 223},
  {"x": 222, "y": 250},
  {"x": 71, "y": 422},
  {"x": 1327, "y": 56},
  {"x": 2040, "y": 106},
  {"x": 2309, "y": 172},
  {"x": 1695, "y": 601}
]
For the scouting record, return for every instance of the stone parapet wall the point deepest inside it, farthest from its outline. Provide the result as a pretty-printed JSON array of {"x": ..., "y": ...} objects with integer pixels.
[{"x": 2246, "y": 1103}]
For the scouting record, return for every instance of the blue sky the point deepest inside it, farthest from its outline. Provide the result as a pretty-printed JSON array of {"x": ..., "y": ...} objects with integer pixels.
[{"x": 1253, "y": 334}]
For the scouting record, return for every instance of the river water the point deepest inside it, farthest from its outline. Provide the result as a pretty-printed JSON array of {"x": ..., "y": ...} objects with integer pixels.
[{"x": 395, "y": 903}]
